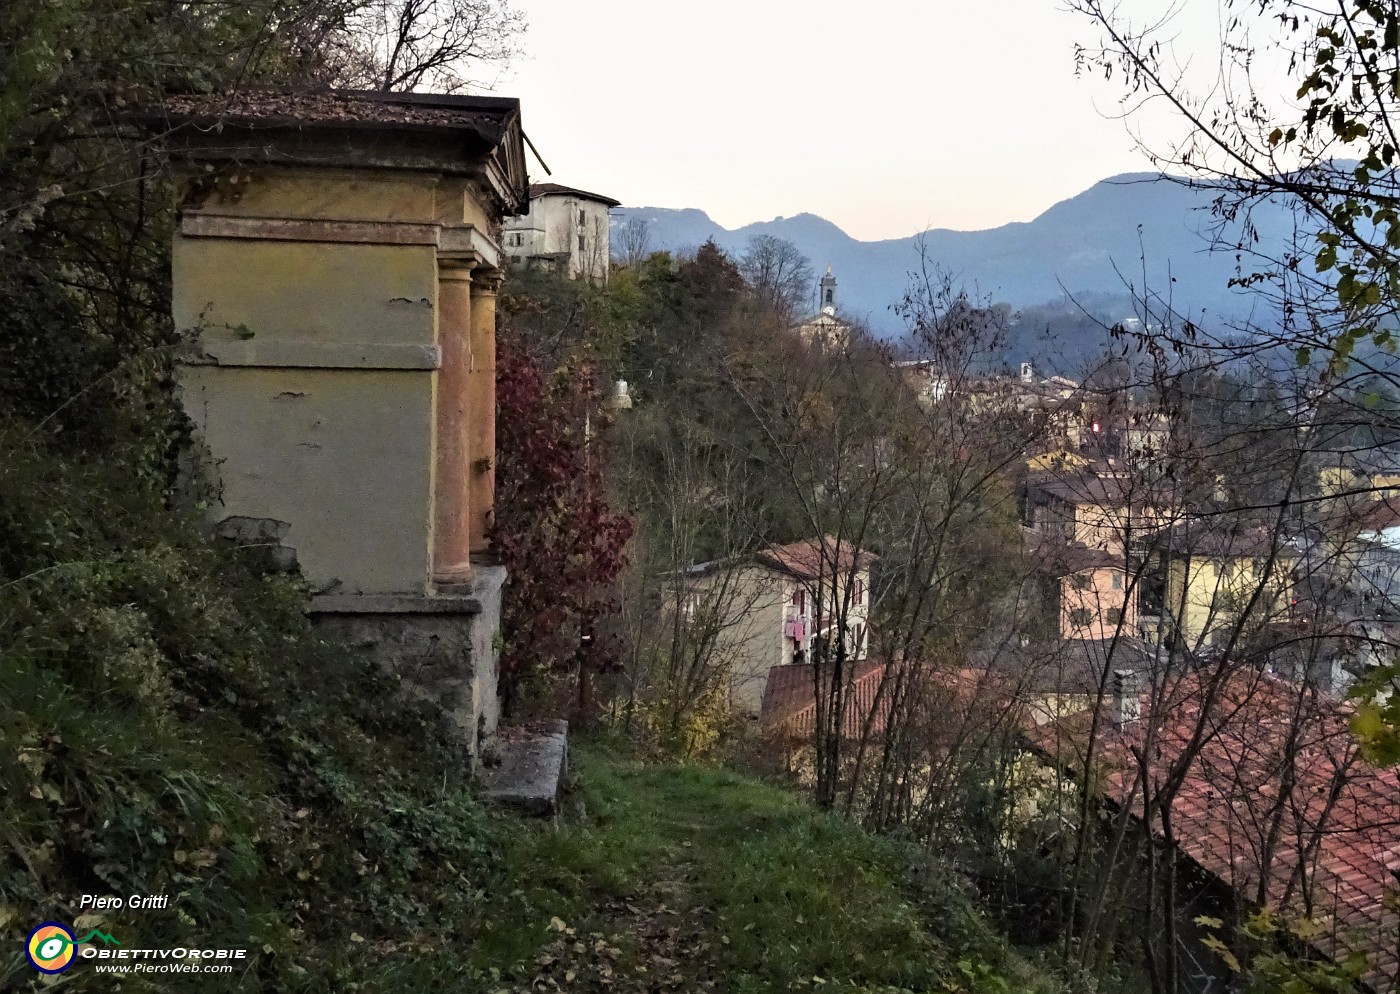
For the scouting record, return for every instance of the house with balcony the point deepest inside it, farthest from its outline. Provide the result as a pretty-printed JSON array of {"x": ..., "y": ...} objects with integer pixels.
[{"x": 783, "y": 605}]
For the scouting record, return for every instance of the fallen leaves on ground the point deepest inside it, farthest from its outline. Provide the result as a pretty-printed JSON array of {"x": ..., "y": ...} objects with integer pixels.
[{"x": 639, "y": 946}]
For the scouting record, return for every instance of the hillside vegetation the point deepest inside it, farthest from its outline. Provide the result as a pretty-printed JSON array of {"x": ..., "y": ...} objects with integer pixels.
[{"x": 171, "y": 725}]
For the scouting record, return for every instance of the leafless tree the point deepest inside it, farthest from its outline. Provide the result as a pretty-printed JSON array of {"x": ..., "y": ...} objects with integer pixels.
[
  {"x": 632, "y": 242},
  {"x": 688, "y": 594},
  {"x": 396, "y": 45},
  {"x": 779, "y": 273},
  {"x": 899, "y": 458},
  {"x": 1241, "y": 565}
]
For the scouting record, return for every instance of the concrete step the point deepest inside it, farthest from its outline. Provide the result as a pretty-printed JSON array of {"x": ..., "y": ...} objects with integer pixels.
[{"x": 530, "y": 774}]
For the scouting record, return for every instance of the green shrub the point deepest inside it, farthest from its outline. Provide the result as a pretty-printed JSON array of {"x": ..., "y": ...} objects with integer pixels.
[{"x": 171, "y": 724}]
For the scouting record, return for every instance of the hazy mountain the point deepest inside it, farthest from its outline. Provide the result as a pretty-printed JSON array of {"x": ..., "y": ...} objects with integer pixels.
[{"x": 1090, "y": 244}]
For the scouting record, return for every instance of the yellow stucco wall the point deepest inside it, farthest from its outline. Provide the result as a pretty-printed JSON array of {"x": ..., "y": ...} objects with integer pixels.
[
  {"x": 458, "y": 202},
  {"x": 341, "y": 455},
  {"x": 325, "y": 194},
  {"x": 1205, "y": 595},
  {"x": 1334, "y": 480},
  {"x": 304, "y": 410},
  {"x": 315, "y": 295},
  {"x": 233, "y": 288}
]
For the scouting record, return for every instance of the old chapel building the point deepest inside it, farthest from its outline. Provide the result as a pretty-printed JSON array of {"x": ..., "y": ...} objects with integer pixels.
[{"x": 335, "y": 267}]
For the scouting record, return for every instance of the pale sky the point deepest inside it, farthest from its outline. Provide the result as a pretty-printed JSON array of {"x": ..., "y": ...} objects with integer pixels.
[{"x": 884, "y": 116}]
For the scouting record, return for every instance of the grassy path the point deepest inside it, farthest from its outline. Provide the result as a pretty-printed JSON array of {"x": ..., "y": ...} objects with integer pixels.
[{"x": 685, "y": 878}]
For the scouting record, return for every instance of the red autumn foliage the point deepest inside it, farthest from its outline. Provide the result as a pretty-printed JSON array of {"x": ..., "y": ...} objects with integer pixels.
[{"x": 554, "y": 530}]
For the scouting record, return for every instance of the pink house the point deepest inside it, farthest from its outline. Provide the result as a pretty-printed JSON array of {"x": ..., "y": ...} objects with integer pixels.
[{"x": 1090, "y": 592}]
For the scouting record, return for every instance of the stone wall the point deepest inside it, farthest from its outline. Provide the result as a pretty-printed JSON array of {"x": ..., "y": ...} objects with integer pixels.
[{"x": 443, "y": 647}]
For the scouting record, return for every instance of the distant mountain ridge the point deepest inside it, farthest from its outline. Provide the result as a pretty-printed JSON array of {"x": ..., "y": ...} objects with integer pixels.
[{"x": 1139, "y": 227}]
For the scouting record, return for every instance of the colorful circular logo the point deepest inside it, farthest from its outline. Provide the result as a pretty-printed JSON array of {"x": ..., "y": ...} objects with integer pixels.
[{"x": 50, "y": 948}]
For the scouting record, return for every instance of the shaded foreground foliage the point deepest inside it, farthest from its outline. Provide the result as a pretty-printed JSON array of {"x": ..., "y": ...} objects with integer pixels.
[{"x": 171, "y": 725}]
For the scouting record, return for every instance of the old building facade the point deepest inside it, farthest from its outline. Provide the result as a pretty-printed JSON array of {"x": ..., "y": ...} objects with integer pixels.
[
  {"x": 335, "y": 269},
  {"x": 565, "y": 229}
]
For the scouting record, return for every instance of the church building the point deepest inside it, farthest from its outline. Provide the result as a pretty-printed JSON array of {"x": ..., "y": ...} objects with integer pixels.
[{"x": 825, "y": 329}]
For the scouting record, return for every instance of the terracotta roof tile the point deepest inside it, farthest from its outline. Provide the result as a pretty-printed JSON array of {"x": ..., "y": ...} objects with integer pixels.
[
  {"x": 1062, "y": 560},
  {"x": 1378, "y": 515},
  {"x": 543, "y": 189},
  {"x": 1340, "y": 811},
  {"x": 870, "y": 697},
  {"x": 789, "y": 700},
  {"x": 813, "y": 559}
]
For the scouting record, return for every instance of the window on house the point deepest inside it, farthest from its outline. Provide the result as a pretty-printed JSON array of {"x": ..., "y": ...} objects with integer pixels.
[
  {"x": 1081, "y": 582},
  {"x": 799, "y": 600},
  {"x": 855, "y": 639},
  {"x": 858, "y": 592},
  {"x": 1114, "y": 615},
  {"x": 1117, "y": 581},
  {"x": 1081, "y": 617},
  {"x": 580, "y": 243},
  {"x": 581, "y": 219}
]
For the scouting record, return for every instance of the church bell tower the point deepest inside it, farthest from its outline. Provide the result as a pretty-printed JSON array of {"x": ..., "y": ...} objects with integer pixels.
[{"x": 828, "y": 292}]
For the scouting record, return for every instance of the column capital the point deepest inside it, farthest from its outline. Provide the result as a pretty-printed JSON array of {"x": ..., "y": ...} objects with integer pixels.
[
  {"x": 457, "y": 267},
  {"x": 487, "y": 280}
]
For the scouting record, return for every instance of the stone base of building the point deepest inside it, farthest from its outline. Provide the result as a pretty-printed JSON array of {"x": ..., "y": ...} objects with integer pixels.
[{"x": 444, "y": 646}]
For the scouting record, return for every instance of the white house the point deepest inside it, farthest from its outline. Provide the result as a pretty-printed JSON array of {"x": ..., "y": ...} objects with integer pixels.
[
  {"x": 781, "y": 603},
  {"x": 566, "y": 229}
]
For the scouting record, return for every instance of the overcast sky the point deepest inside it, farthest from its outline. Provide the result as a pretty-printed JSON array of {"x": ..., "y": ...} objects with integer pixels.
[{"x": 883, "y": 116}]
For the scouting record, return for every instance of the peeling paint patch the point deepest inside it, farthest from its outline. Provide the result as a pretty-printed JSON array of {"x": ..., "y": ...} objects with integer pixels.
[
  {"x": 260, "y": 540},
  {"x": 290, "y": 395},
  {"x": 421, "y": 301}
]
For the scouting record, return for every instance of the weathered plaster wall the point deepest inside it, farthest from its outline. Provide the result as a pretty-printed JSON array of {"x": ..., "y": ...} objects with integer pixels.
[
  {"x": 340, "y": 455},
  {"x": 254, "y": 291},
  {"x": 553, "y": 227},
  {"x": 326, "y": 268},
  {"x": 320, "y": 382},
  {"x": 331, "y": 194}
]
